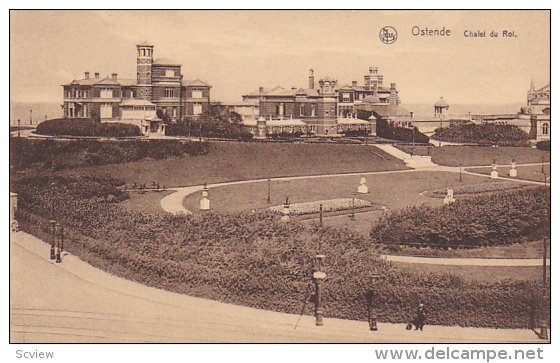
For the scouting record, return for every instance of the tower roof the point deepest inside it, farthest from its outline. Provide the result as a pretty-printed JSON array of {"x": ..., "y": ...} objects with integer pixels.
[
  {"x": 144, "y": 44},
  {"x": 441, "y": 103}
]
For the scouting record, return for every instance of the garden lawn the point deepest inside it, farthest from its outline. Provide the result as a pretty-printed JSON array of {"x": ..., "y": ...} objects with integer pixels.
[
  {"x": 395, "y": 190},
  {"x": 532, "y": 172},
  {"x": 147, "y": 201},
  {"x": 230, "y": 161},
  {"x": 479, "y": 155}
]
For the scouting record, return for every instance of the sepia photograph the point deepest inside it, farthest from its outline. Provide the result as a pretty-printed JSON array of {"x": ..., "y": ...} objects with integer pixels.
[{"x": 280, "y": 176}]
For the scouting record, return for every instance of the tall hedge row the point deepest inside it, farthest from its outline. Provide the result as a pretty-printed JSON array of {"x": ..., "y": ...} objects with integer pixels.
[
  {"x": 86, "y": 127},
  {"x": 26, "y": 153},
  {"x": 488, "y": 220},
  {"x": 486, "y": 134}
]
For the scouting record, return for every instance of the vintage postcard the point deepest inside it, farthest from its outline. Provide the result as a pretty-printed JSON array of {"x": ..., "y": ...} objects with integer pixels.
[{"x": 252, "y": 176}]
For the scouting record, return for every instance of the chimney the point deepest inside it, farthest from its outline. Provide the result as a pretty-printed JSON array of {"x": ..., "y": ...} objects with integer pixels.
[
  {"x": 96, "y": 75},
  {"x": 393, "y": 86},
  {"x": 411, "y": 114},
  {"x": 86, "y": 74},
  {"x": 261, "y": 90},
  {"x": 311, "y": 79},
  {"x": 114, "y": 76},
  {"x": 354, "y": 83}
]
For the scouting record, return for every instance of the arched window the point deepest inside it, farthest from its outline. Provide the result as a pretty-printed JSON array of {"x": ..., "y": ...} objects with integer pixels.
[{"x": 545, "y": 129}]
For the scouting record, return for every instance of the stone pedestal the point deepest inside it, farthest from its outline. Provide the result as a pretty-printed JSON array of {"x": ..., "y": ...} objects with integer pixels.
[
  {"x": 363, "y": 188},
  {"x": 285, "y": 213},
  {"x": 449, "y": 198},
  {"x": 205, "y": 202},
  {"x": 513, "y": 170},
  {"x": 494, "y": 174}
]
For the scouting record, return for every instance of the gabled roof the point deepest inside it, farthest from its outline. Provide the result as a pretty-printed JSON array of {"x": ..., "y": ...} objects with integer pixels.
[
  {"x": 107, "y": 82},
  {"x": 165, "y": 62},
  {"x": 196, "y": 83}
]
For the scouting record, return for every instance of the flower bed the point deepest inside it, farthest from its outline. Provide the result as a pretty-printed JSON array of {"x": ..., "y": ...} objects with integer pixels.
[
  {"x": 478, "y": 189},
  {"x": 330, "y": 205}
]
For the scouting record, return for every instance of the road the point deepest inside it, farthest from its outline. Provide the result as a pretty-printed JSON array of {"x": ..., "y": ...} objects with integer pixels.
[{"x": 75, "y": 302}]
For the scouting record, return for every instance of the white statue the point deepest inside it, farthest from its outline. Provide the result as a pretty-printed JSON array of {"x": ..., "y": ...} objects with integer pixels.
[
  {"x": 286, "y": 211},
  {"x": 494, "y": 172},
  {"x": 205, "y": 202},
  {"x": 449, "y": 197},
  {"x": 513, "y": 170},
  {"x": 363, "y": 188}
]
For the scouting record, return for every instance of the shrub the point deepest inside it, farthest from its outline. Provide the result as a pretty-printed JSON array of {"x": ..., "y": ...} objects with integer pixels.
[
  {"x": 355, "y": 133},
  {"x": 209, "y": 128},
  {"x": 497, "y": 219},
  {"x": 255, "y": 260},
  {"x": 26, "y": 153},
  {"x": 544, "y": 145},
  {"x": 386, "y": 131},
  {"x": 487, "y": 134},
  {"x": 86, "y": 127}
]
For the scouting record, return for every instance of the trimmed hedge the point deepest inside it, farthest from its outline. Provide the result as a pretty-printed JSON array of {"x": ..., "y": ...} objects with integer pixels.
[
  {"x": 31, "y": 153},
  {"x": 486, "y": 134},
  {"x": 405, "y": 134},
  {"x": 253, "y": 259},
  {"x": 86, "y": 127},
  {"x": 488, "y": 220},
  {"x": 544, "y": 145},
  {"x": 209, "y": 128}
]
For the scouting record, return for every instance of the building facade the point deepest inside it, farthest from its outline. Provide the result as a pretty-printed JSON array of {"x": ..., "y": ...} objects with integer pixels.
[
  {"x": 324, "y": 107},
  {"x": 158, "y": 81}
]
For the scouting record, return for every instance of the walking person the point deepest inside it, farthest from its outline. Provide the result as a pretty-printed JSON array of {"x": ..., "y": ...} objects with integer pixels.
[{"x": 420, "y": 319}]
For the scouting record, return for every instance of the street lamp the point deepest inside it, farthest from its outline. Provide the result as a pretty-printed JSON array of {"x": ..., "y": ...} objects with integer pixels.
[
  {"x": 461, "y": 172},
  {"x": 53, "y": 237},
  {"x": 268, "y": 191},
  {"x": 321, "y": 215},
  {"x": 57, "y": 237},
  {"x": 318, "y": 277},
  {"x": 18, "y": 124},
  {"x": 353, "y": 215},
  {"x": 544, "y": 319}
]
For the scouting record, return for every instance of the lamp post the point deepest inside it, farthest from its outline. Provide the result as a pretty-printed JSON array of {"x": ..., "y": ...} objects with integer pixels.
[
  {"x": 318, "y": 277},
  {"x": 353, "y": 215},
  {"x": 18, "y": 124},
  {"x": 31, "y": 116},
  {"x": 461, "y": 172},
  {"x": 321, "y": 215},
  {"x": 544, "y": 318},
  {"x": 53, "y": 237},
  {"x": 441, "y": 128},
  {"x": 268, "y": 191},
  {"x": 57, "y": 237}
]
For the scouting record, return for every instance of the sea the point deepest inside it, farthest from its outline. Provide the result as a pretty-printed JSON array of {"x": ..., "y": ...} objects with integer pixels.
[{"x": 32, "y": 113}]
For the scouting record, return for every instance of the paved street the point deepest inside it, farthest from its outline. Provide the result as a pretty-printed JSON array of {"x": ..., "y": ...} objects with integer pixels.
[{"x": 74, "y": 302}]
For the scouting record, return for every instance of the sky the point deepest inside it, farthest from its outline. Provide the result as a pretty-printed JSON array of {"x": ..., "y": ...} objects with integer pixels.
[{"x": 238, "y": 51}]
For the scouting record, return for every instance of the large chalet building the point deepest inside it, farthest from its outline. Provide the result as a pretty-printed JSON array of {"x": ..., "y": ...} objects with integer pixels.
[
  {"x": 322, "y": 108},
  {"x": 158, "y": 92}
]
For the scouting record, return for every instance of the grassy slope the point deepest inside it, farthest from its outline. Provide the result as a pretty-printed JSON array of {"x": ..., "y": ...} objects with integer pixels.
[
  {"x": 479, "y": 155},
  {"x": 229, "y": 161}
]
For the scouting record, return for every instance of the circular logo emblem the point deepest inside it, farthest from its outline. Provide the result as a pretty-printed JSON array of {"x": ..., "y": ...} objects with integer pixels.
[{"x": 388, "y": 35}]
